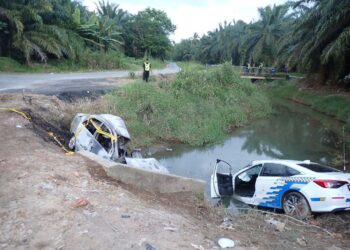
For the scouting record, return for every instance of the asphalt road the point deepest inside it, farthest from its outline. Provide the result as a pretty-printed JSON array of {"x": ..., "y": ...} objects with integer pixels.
[{"x": 51, "y": 83}]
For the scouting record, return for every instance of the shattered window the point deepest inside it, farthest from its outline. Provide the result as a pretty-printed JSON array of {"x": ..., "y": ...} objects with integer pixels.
[{"x": 93, "y": 125}]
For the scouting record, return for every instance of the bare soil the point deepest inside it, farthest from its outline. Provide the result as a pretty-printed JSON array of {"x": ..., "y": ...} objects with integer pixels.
[{"x": 49, "y": 200}]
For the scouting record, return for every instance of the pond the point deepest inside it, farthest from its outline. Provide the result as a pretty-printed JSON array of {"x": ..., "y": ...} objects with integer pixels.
[{"x": 293, "y": 131}]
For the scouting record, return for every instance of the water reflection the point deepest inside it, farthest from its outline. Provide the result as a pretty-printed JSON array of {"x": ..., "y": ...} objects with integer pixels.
[
  {"x": 291, "y": 135},
  {"x": 293, "y": 132}
]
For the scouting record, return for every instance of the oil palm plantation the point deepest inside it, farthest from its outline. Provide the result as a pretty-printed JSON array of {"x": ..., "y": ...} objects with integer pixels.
[
  {"x": 110, "y": 23},
  {"x": 263, "y": 37},
  {"x": 27, "y": 34},
  {"x": 323, "y": 33}
]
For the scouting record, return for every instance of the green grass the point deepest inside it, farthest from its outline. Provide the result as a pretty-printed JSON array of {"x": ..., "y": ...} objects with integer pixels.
[
  {"x": 329, "y": 103},
  {"x": 95, "y": 61},
  {"x": 10, "y": 65},
  {"x": 199, "y": 107},
  {"x": 191, "y": 66}
]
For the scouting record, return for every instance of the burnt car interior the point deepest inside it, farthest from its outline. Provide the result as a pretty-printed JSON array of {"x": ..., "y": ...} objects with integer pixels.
[
  {"x": 245, "y": 182},
  {"x": 107, "y": 136},
  {"x": 105, "y": 141}
]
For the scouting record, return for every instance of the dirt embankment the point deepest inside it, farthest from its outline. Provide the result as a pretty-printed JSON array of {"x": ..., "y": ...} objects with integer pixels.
[{"x": 49, "y": 200}]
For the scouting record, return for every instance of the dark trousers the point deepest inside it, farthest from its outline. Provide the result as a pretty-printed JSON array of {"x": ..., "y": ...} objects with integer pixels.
[{"x": 145, "y": 75}]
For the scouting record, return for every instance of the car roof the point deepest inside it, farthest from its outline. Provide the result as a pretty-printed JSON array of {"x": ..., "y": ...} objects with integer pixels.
[
  {"x": 290, "y": 163},
  {"x": 297, "y": 166},
  {"x": 285, "y": 162}
]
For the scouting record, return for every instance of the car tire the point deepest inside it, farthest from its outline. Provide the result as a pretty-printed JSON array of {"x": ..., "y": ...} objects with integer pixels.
[{"x": 295, "y": 205}]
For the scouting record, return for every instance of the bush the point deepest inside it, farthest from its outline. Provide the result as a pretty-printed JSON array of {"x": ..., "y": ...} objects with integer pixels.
[
  {"x": 100, "y": 60},
  {"x": 198, "y": 108},
  {"x": 10, "y": 65}
]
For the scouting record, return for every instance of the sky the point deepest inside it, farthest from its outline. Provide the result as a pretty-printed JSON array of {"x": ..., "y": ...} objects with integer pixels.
[{"x": 198, "y": 16}]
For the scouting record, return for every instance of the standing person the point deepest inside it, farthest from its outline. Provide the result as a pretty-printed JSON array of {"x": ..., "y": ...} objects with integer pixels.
[
  {"x": 146, "y": 69},
  {"x": 261, "y": 65}
]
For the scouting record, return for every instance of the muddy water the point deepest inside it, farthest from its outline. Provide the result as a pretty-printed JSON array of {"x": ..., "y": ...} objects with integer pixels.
[{"x": 293, "y": 131}]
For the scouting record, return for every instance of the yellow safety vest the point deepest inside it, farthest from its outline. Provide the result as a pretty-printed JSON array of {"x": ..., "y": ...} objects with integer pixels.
[{"x": 147, "y": 66}]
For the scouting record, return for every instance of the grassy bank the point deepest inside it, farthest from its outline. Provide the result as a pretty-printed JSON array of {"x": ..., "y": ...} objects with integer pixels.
[
  {"x": 198, "y": 107},
  {"x": 332, "y": 104},
  {"x": 89, "y": 62}
]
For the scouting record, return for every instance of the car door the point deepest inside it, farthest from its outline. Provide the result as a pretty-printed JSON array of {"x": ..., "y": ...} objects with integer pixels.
[
  {"x": 221, "y": 183},
  {"x": 270, "y": 183},
  {"x": 245, "y": 183}
]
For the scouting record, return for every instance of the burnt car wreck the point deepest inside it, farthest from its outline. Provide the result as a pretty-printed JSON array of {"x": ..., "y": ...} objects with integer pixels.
[{"x": 107, "y": 136}]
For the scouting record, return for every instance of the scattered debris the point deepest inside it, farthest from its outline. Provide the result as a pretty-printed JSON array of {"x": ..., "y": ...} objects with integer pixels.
[
  {"x": 226, "y": 243},
  {"x": 80, "y": 202},
  {"x": 279, "y": 226},
  {"x": 301, "y": 242},
  {"x": 199, "y": 247},
  {"x": 227, "y": 224},
  {"x": 171, "y": 229},
  {"x": 148, "y": 164},
  {"x": 46, "y": 186}
]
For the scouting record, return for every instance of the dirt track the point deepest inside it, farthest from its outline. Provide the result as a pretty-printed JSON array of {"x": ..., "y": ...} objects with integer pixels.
[{"x": 40, "y": 185}]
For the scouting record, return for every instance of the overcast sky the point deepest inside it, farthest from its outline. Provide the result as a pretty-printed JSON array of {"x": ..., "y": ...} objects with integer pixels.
[{"x": 199, "y": 16}]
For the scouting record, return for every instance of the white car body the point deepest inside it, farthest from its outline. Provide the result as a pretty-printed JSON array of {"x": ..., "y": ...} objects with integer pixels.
[
  {"x": 266, "y": 183},
  {"x": 106, "y": 135}
]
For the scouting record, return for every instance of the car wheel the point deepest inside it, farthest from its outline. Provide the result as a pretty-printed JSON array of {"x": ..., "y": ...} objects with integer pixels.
[{"x": 295, "y": 204}]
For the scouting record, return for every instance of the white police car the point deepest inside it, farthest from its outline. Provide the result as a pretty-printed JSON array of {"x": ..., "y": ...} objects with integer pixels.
[{"x": 297, "y": 187}]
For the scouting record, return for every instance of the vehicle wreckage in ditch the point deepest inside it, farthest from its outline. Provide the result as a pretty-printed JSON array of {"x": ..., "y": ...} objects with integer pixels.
[{"x": 107, "y": 136}]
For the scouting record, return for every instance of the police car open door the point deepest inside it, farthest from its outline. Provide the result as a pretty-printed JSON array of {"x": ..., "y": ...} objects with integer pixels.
[{"x": 221, "y": 183}]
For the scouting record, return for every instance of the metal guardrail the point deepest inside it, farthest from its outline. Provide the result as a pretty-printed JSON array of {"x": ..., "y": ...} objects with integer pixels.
[{"x": 259, "y": 72}]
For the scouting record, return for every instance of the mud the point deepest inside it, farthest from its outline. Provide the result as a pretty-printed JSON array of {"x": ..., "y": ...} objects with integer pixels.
[{"x": 41, "y": 127}]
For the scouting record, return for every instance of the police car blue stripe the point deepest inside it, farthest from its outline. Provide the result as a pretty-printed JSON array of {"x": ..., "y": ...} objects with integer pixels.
[{"x": 275, "y": 201}]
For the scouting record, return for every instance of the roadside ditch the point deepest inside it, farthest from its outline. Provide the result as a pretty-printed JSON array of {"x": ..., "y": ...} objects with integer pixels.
[{"x": 54, "y": 114}]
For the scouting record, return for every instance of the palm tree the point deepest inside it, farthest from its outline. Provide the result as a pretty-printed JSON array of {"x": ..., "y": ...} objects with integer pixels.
[
  {"x": 27, "y": 34},
  {"x": 108, "y": 35},
  {"x": 110, "y": 21},
  {"x": 324, "y": 39},
  {"x": 264, "y": 35}
]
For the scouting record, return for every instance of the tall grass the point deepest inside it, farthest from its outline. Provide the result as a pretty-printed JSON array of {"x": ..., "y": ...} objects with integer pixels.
[
  {"x": 198, "y": 107},
  {"x": 329, "y": 103}
]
